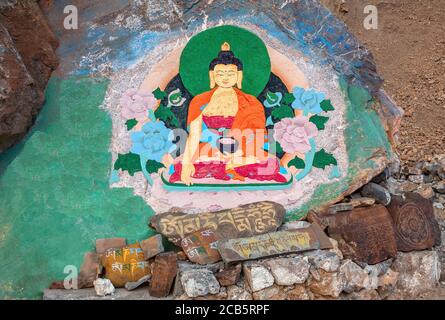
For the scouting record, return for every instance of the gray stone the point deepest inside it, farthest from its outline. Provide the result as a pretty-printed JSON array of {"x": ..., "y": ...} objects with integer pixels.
[
  {"x": 382, "y": 176},
  {"x": 324, "y": 260},
  {"x": 294, "y": 225},
  {"x": 238, "y": 293},
  {"x": 199, "y": 282},
  {"x": 103, "y": 287},
  {"x": 439, "y": 187},
  {"x": 271, "y": 293},
  {"x": 417, "y": 178},
  {"x": 289, "y": 271},
  {"x": 130, "y": 286},
  {"x": 355, "y": 277},
  {"x": 377, "y": 192},
  {"x": 186, "y": 265},
  {"x": 340, "y": 207},
  {"x": 258, "y": 276}
]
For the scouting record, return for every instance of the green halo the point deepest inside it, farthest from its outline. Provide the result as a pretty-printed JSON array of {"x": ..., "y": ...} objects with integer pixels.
[{"x": 205, "y": 46}]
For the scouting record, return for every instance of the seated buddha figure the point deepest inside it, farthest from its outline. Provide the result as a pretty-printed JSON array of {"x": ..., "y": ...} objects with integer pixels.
[{"x": 227, "y": 129}]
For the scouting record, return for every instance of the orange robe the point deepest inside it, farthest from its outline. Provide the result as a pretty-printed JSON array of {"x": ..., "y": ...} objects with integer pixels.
[{"x": 250, "y": 115}]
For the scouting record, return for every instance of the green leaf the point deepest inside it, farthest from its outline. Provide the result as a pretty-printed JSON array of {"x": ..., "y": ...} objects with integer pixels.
[
  {"x": 282, "y": 112},
  {"x": 165, "y": 114},
  {"x": 323, "y": 159},
  {"x": 128, "y": 162},
  {"x": 153, "y": 166},
  {"x": 319, "y": 121},
  {"x": 297, "y": 163},
  {"x": 288, "y": 98},
  {"x": 131, "y": 124},
  {"x": 159, "y": 94},
  {"x": 272, "y": 97},
  {"x": 326, "y": 105}
]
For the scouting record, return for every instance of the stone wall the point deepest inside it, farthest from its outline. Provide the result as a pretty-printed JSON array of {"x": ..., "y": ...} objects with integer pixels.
[{"x": 27, "y": 55}]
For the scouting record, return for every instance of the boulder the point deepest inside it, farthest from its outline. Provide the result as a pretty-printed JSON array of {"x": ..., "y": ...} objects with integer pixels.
[
  {"x": 258, "y": 276},
  {"x": 199, "y": 282},
  {"x": 289, "y": 271}
]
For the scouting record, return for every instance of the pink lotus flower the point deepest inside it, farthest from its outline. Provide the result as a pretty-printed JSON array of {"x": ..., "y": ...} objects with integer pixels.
[
  {"x": 293, "y": 134},
  {"x": 136, "y": 103}
]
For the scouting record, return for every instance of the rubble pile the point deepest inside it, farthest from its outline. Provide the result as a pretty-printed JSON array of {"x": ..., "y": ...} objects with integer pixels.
[{"x": 382, "y": 242}]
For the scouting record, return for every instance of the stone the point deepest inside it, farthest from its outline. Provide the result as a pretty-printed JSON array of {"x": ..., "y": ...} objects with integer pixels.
[
  {"x": 272, "y": 293},
  {"x": 425, "y": 191},
  {"x": 324, "y": 260},
  {"x": 273, "y": 243},
  {"x": 294, "y": 225},
  {"x": 382, "y": 176},
  {"x": 439, "y": 187},
  {"x": 163, "y": 275},
  {"x": 28, "y": 59},
  {"x": 289, "y": 271},
  {"x": 237, "y": 293},
  {"x": 152, "y": 246},
  {"x": 387, "y": 283},
  {"x": 362, "y": 202},
  {"x": 399, "y": 187},
  {"x": 103, "y": 245},
  {"x": 417, "y": 179},
  {"x": 186, "y": 265},
  {"x": 125, "y": 265},
  {"x": 103, "y": 287},
  {"x": 419, "y": 272},
  {"x": 244, "y": 221},
  {"x": 199, "y": 282},
  {"x": 355, "y": 277},
  {"x": 340, "y": 207},
  {"x": 258, "y": 276},
  {"x": 201, "y": 246},
  {"x": 230, "y": 275},
  {"x": 130, "y": 286},
  {"x": 415, "y": 225},
  {"x": 299, "y": 292},
  {"x": 141, "y": 294},
  {"x": 331, "y": 284},
  {"x": 335, "y": 249},
  {"x": 89, "y": 271},
  {"x": 365, "y": 235},
  {"x": 377, "y": 192},
  {"x": 363, "y": 295},
  {"x": 178, "y": 290}
]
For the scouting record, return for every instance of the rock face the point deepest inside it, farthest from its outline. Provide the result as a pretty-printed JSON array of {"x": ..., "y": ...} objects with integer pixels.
[{"x": 27, "y": 56}]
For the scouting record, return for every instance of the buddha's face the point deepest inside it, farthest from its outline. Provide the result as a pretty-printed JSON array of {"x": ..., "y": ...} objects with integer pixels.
[{"x": 226, "y": 76}]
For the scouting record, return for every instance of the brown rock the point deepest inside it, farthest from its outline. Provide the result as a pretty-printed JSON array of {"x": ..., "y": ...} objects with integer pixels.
[
  {"x": 425, "y": 191},
  {"x": 273, "y": 243},
  {"x": 164, "y": 272},
  {"x": 272, "y": 293},
  {"x": 230, "y": 275},
  {"x": 238, "y": 293},
  {"x": 330, "y": 284},
  {"x": 201, "y": 246},
  {"x": 152, "y": 246},
  {"x": 414, "y": 222},
  {"x": 243, "y": 221},
  {"x": 387, "y": 283},
  {"x": 363, "y": 295},
  {"x": 102, "y": 245},
  {"x": 90, "y": 270},
  {"x": 362, "y": 202},
  {"x": 299, "y": 292},
  {"x": 365, "y": 235}
]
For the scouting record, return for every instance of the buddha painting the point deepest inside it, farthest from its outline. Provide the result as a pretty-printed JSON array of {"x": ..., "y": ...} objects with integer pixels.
[{"x": 227, "y": 130}]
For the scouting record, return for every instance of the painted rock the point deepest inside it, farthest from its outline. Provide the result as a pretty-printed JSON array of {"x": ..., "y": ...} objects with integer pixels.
[
  {"x": 164, "y": 272},
  {"x": 201, "y": 247},
  {"x": 414, "y": 222},
  {"x": 243, "y": 221},
  {"x": 365, "y": 235},
  {"x": 273, "y": 243},
  {"x": 125, "y": 265}
]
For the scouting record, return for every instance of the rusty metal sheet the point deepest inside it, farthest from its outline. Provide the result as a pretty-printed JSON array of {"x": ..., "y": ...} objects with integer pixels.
[
  {"x": 244, "y": 221},
  {"x": 414, "y": 222},
  {"x": 274, "y": 243},
  {"x": 201, "y": 246},
  {"x": 364, "y": 234}
]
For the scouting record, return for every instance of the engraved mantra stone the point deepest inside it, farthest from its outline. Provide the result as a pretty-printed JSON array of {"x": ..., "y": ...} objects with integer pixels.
[
  {"x": 414, "y": 223},
  {"x": 243, "y": 221},
  {"x": 201, "y": 247},
  {"x": 364, "y": 234},
  {"x": 273, "y": 243}
]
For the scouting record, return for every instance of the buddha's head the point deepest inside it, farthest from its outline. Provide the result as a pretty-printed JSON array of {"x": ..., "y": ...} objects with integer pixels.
[{"x": 226, "y": 70}]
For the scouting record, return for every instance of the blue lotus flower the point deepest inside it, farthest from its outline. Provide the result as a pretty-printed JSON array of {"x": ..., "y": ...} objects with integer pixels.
[
  {"x": 272, "y": 99},
  {"x": 153, "y": 142},
  {"x": 307, "y": 100}
]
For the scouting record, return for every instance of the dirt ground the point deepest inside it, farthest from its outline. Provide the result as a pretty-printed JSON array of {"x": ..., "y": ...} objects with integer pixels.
[{"x": 409, "y": 49}]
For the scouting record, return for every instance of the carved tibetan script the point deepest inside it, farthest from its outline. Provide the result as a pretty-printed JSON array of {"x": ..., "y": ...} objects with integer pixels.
[{"x": 243, "y": 221}]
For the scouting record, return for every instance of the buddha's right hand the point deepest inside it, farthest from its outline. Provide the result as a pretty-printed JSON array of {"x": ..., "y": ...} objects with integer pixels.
[{"x": 187, "y": 171}]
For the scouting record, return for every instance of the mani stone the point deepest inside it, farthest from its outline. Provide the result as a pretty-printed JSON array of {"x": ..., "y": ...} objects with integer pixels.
[
  {"x": 103, "y": 245},
  {"x": 152, "y": 246},
  {"x": 415, "y": 225},
  {"x": 289, "y": 271},
  {"x": 230, "y": 275},
  {"x": 273, "y": 243},
  {"x": 377, "y": 192},
  {"x": 258, "y": 276},
  {"x": 244, "y": 221},
  {"x": 199, "y": 282},
  {"x": 201, "y": 247},
  {"x": 163, "y": 274},
  {"x": 365, "y": 235}
]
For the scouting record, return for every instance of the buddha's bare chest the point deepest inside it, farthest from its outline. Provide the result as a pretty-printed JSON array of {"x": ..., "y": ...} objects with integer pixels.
[{"x": 224, "y": 103}]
